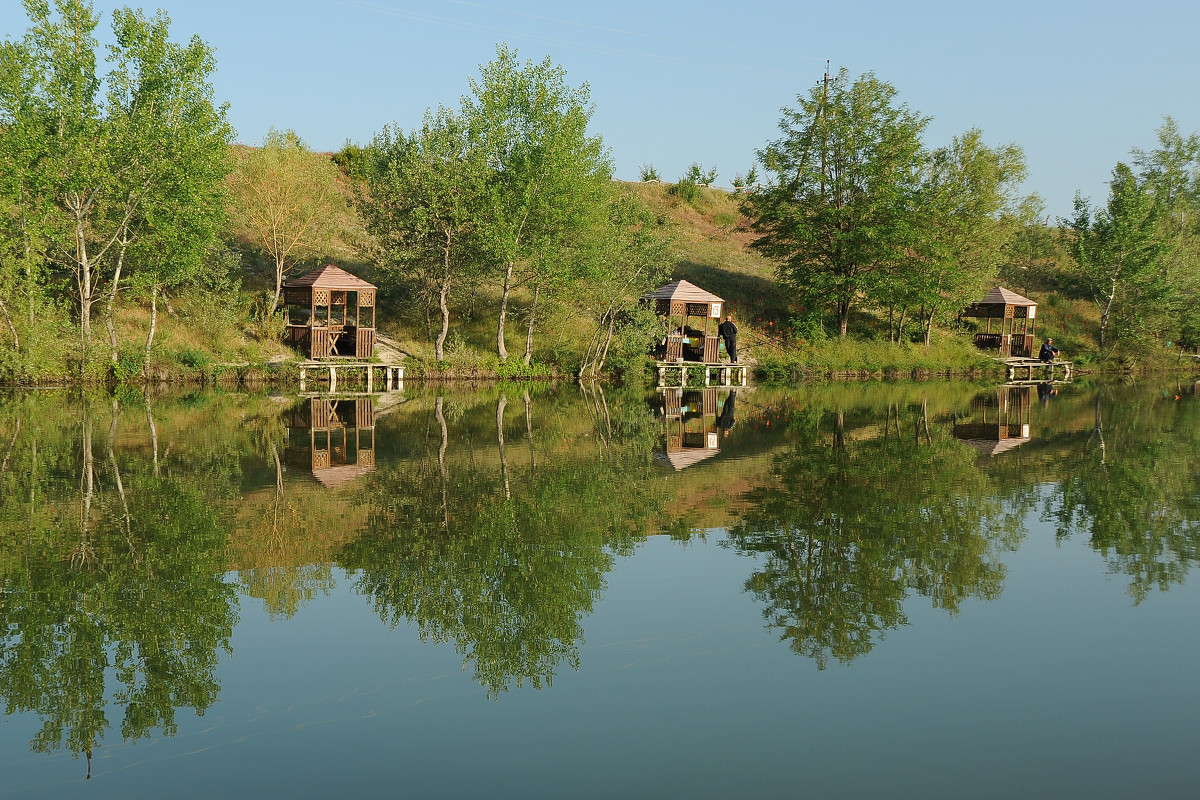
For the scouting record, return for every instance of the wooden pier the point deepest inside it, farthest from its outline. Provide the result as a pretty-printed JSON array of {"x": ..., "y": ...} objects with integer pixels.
[
  {"x": 391, "y": 379},
  {"x": 1022, "y": 370},
  {"x": 721, "y": 375}
]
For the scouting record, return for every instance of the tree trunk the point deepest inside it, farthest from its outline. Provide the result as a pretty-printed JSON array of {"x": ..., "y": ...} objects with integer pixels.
[
  {"x": 529, "y": 332},
  {"x": 278, "y": 283},
  {"x": 11, "y": 328},
  {"x": 612, "y": 323},
  {"x": 87, "y": 482},
  {"x": 529, "y": 431},
  {"x": 900, "y": 326},
  {"x": 279, "y": 496},
  {"x": 441, "y": 418},
  {"x": 500, "y": 405},
  {"x": 153, "y": 431},
  {"x": 17, "y": 430},
  {"x": 843, "y": 318},
  {"x": 153, "y": 326},
  {"x": 589, "y": 354},
  {"x": 1112, "y": 294},
  {"x": 439, "y": 346},
  {"x": 108, "y": 307},
  {"x": 501, "y": 350},
  {"x": 83, "y": 277},
  {"x": 112, "y": 457},
  {"x": 928, "y": 329}
]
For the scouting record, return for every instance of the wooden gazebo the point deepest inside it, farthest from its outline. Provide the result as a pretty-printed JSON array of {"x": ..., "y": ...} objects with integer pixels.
[
  {"x": 1012, "y": 340},
  {"x": 998, "y": 422},
  {"x": 339, "y": 437},
  {"x": 689, "y": 427},
  {"x": 330, "y": 313},
  {"x": 682, "y": 304}
]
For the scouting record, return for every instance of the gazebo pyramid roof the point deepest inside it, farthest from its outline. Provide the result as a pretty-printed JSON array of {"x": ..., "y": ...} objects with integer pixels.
[
  {"x": 993, "y": 447},
  {"x": 682, "y": 459},
  {"x": 682, "y": 290},
  {"x": 999, "y": 296},
  {"x": 329, "y": 277}
]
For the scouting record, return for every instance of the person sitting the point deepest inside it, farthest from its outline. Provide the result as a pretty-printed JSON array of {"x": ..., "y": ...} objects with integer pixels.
[{"x": 1048, "y": 352}]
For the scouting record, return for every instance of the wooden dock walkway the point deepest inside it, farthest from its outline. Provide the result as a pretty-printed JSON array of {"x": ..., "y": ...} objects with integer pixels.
[
  {"x": 726, "y": 374},
  {"x": 392, "y": 377},
  {"x": 1014, "y": 367}
]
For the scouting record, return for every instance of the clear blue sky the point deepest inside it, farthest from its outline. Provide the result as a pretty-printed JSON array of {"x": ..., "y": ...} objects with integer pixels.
[{"x": 1076, "y": 84}]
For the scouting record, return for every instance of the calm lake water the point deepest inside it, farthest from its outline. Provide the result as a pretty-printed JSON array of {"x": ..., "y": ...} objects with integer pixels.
[{"x": 868, "y": 590}]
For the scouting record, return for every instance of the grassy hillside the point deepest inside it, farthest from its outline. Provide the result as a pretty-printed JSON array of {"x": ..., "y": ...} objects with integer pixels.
[{"x": 210, "y": 331}]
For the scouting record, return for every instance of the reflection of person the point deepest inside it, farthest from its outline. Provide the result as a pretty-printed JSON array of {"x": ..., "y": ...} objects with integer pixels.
[
  {"x": 1046, "y": 390},
  {"x": 726, "y": 420},
  {"x": 1048, "y": 352},
  {"x": 728, "y": 330}
]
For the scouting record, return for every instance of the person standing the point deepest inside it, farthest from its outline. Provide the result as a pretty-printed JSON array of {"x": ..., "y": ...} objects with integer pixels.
[
  {"x": 728, "y": 330},
  {"x": 726, "y": 420}
]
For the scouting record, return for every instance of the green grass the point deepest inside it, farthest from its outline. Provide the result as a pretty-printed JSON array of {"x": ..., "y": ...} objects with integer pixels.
[{"x": 836, "y": 358}]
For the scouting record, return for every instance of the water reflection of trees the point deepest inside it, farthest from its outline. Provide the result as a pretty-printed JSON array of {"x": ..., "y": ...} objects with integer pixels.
[
  {"x": 484, "y": 545},
  {"x": 869, "y": 506},
  {"x": 118, "y": 573},
  {"x": 1133, "y": 489}
]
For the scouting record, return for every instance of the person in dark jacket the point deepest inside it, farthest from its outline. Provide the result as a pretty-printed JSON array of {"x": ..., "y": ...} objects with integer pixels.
[
  {"x": 728, "y": 330},
  {"x": 1048, "y": 352},
  {"x": 728, "y": 409}
]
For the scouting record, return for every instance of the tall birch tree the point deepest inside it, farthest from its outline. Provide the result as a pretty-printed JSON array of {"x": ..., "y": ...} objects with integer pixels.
[{"x": 544, "y": 169}]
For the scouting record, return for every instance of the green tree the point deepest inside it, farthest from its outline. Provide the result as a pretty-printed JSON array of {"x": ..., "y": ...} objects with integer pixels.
[
  {"x": 168, "y": 110},
  {"x": 1117, "y": 250},
  {"x": 85, "y": 167},
  {"x": 1128, "y": 490},
  {"x": 845, "y": 535},
  {"x": 424, "y": 197},
  {"x": 545, "y": 173},
  {"x": 290, "y": 202},
  {"x": 837, "y": 209},
  {"x": 476, "y": 553},
  {"x": 1172, "y": 172},
  {"x": 619, "y": 260},
  {"x": 958, "y": 250},
  {"x": 1031, "y": 247},
  {"x": 114, "y": 595}
]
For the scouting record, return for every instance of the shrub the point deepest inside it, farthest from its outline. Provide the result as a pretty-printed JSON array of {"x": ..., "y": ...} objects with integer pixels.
[
  {"x": 808, "y": 327},
  {"x": 130, "y": 366},
  {"x": 515, "y": 369},
  {"x": 686, "y": 189},
  {"x": 195, "y": 359},
  {"x": 648, "y": 173}
]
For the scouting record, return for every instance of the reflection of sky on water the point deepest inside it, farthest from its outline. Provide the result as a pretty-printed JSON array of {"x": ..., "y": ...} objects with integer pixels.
[{"x": 1061, "y": 686}]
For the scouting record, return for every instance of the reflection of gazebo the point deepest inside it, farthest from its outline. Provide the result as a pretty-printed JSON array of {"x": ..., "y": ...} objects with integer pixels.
[
  {"x": 341, "y": 439},
  {"x": 690, "y": 426},
  {"x": 330, "y": 313},
  {"x": 1007, "y": 307},
  {"x": 998, "y": 422},
  {"x": 683, "y": 303}
]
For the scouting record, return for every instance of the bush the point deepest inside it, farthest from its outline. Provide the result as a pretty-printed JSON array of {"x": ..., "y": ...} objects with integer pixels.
[
  {"x": 130, "y": 366},
  {"x": 195, "y": 359},
  {"x": 265, "y": 324},
  {"x": 515, "y": 369},
  {"x": 686, "y": 189},
  {"x": 808, "y": 328}
]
